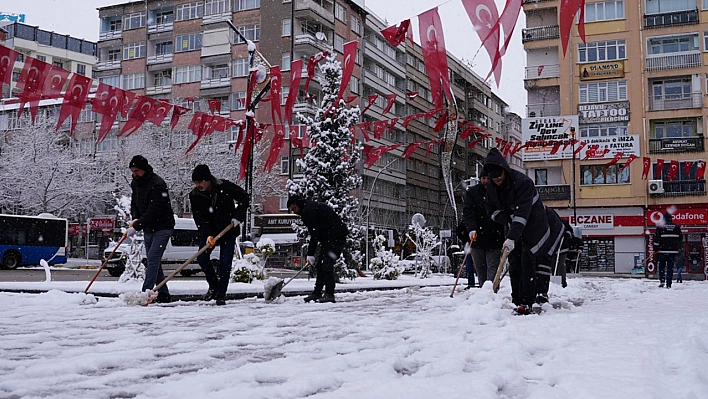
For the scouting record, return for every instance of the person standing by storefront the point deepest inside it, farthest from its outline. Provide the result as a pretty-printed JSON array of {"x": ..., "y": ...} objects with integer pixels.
[{"x": 667, "y": 242}]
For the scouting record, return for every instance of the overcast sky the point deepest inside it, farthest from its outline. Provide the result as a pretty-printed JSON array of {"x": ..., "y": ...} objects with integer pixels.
[{"x": 79, "y": 18}]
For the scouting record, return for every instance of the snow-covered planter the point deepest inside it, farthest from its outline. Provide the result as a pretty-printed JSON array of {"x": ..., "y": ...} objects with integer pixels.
[
  {"x": 247, "y": 269},
  {"x": 266, "y": 247},
  {"x": 385, "y": 263}
]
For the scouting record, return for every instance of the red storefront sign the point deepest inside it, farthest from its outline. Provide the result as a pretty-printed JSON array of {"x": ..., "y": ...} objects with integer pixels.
[
  {"x": 681, "y": 217},
  {"x": 101, "y": 223}
]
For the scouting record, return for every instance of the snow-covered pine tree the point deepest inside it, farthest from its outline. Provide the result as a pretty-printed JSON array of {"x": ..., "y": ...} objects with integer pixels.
[{"x": 330, "y": 165}]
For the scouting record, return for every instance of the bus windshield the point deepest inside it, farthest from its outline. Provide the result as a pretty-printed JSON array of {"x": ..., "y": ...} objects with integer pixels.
[{"x": 25, "y": 240}]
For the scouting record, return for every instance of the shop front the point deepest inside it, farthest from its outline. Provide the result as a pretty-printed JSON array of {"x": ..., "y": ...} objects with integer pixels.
[
  {"x": 613, "y": 238},
  {"x": 693, "y": 220},
  {"x": 278, "y": 227}
]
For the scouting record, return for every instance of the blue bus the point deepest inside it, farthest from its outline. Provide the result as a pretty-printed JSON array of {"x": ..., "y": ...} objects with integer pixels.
[{"x": 25, "y": 240}]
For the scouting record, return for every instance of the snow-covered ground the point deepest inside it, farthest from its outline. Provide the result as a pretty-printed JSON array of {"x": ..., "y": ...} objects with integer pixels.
[{"x": 603, "y": 338}]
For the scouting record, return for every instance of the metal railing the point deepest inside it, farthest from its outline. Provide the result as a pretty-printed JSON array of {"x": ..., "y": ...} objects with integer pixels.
[
  {"x": 662, "y": 103},
  {"x": 158, "y": 89},
  {"x": 311, "y": 40},
  {"x": 111, "y": 34},
  {"x": 679, "y": 188},
  {"x": 542, "y": 71},
  {"x": 678, "y": 144},
  {"x": 674, "y": 61},
  {"x": 540, "y": 33},
  {"x": 108, "y": 65},
  {"x": 168, "y": 26},
  {"x": 158, "y": 59},
  {"x": 216, "y": 82},
  {"x": 685, "y": 17}
]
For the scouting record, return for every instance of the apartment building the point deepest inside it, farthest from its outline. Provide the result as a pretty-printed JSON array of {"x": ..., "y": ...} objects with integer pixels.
[{"x": 637, "y": 86}]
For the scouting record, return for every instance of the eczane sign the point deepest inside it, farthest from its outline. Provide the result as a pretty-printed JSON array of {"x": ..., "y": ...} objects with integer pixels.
[{"x": 594, "y": 221}]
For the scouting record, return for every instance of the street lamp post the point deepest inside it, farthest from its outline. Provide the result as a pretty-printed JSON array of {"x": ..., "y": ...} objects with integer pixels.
[
  {"x": 572, "y": 163},
  {"x": 368, "y": 208}
]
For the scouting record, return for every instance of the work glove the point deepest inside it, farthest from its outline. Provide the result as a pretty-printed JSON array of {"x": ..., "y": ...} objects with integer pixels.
[
  {"x": 132, "y": 222},
  {"x": 130, "y": 231},
  {"x": 508, "y": 244},
  {"x": 311, "y": 260},
  {"x": 467, "y": 248},
  {"x": 235, "y": 222},
  {"x": 211, "y": 242},
  {"x": 473, "y": 236}
]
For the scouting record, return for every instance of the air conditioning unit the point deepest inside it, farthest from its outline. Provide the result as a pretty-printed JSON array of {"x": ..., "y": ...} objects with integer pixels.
[{"x": 656, "y": 186}]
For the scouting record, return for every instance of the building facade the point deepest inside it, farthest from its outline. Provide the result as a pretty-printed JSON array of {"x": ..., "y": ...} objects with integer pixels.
[{"x": 636, "y": 86}]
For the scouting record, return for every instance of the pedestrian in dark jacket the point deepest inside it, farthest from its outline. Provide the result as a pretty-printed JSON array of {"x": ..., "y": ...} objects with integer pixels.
[
  {"x": 667, "y": 241},
  {"x": 152, "y": 212},
  {"x": 486, "y": 236},
  {"x": 326, "y": 229},
  {"x": 512, "y": 200},
  {"x": 214, "y": 206}
]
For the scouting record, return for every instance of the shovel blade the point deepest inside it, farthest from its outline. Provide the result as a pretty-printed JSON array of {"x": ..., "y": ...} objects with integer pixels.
[{"x": 272, "y": 290}]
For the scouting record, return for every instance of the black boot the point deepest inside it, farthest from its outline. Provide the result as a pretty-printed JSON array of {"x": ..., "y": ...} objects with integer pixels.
[
  {"x": 313, "y": 297},
  {"x": 541, "y": 298},
  {"x": 327, "y": 298},
  {"x": 220, "y": 300},
  {"x": 163, "y": 298},
  {"x": 209, "y": 295}
]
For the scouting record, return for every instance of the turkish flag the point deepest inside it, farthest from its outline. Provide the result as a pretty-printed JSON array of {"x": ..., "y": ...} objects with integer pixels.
[
  {"x": 379, "y": 128},
  {"x": 75, "y": 99},
  {"x": 214, "y": 105},
  {"x": 347, "y": 68},
  {"x": 126, "y": 98},
  {"x": 276, "y": 84},
  {"x": 7, "y": 62},
  {"x": 700, "y": 170},
  {"x": 239, "y": 136},
  {"x": 221, "y": 124},
  {"x": 311, "y": 64},
  {"x": 138, "y": 115},
  {"x": 484, "y": 16},
  {"x": 31, "y": 83},
  {"x": 470, "y": 131},
  {"x": 410, "y": 149},
  {"x": 631, "y": 158},
  {"x": 579, "y": 148},
  {"x": 409, "y": 118},
  {"x": 246, "y": 153},
  {"x": 659, "y": 168},
  {"x": 202, "y": 125},
  {"x": 177, "y": 111},
  {"x": 646, "y": 166},
  {"x": 568, "y": 10},
  {"x": 373, "y": 155},
  {"x": 275, "y": 146},
  {"x": 614, "y": 160},
  {"x": 54, "y": 82},
  {"x": 431, "y": 144},
  {"x": 515, "y": 148},
  {"x": 295, "y": 76},
  {"x": 556, "y": 147},
  {"x": 108, "y": 103},
  {"x": 158, "y": 112},
  {"x": 372, "y": 99},
  {"x": 392, "y": 125},
  {"x": 395, "y": 35},
  {"x": 365, "y": 126},
  {"x": 673, "y": 170},
  {"x": 390, "y": 100},
  {"x": 412, "y": 94},
  {"x": 441, "y": 122},
  {"x": 687, "y": 166},
  {"x": 478, "y": 140},
  {"x": 434, "y": 55}
]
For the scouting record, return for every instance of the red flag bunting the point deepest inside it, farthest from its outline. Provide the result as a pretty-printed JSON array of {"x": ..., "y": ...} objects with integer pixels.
[
  {"x": 347, "y": 68},
  {"x": 349, "y": 99},
  {"x": 54, "y": 82},
  {"x": 673, "y": 170},
  {"x": 646, "y": 161},
  {"x": 392, "y": 125},
  {"x": 484, "y": 16},
  {"x": 75, "y": 99},
  {"x": 295, "y": 76},
  {"x": 373, "y": 155},
  {"x": 177, "y": 111},
  {"x": 395, "y": 35},
  {"x": 579, "y": 148},
  {"x": 138, "y": 115},
  {"x": 276, "y": 83},
  {"x": 364, "y": 127},
  {"x": 434, "y": 55},
  {"x": 700, "y": 170},
  {"x": 7, "y": 62},
  {"x": 108, "y": 103},
  {"x": 390, "y": 100},
  {"x": 311, "y": 64},
  {"x": 214, "y": 105},
  {"x": 441, "y": 122},
  {"x": 687, "y": 166},
  {"x": 412, "y": 94},
  {"x": 478, "y": 140},
  {"x": 275, "y": 147},
  {"x": 631, "y": 158},
  {"x": 379, "y": 128},
  {"x": 410, "y": 149},
  {"x": 568, "y": 10},
  {"x": 431, "y": 144},
  {"x": 158, "y": 112},
  {"x": 659, "y": 169},
  {"x": 30, "y": 82},
  {"x": 616, "y": 159},
  {"x": 372, "y": 99}
]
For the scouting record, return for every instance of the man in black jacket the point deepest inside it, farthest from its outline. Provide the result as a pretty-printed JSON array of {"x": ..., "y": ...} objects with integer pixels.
[
  {"x": 485, "y": 235},
  {"x": 667, "y": 241},
  {"x": 152, "y": 212},
  {"x": 213, "y": 209},
  {"x": 326, "y": 229},
  {"x": 512, "y": 200}
]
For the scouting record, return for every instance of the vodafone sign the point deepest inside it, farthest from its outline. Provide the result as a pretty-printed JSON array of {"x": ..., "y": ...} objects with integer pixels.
[{"x": 682, "y": 217}]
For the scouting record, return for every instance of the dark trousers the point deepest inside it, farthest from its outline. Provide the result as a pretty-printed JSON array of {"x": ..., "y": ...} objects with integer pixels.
[
  {"x": 666, "y": 266},
  {"x": 522, "y": 273},
  {"x": 155, "y": 245},
  {"x": 486, "y": 262},
  {"x": 329, "y": 253},
  {"x": 469, "y": 269},
  {"x": 226, "y": 255}
]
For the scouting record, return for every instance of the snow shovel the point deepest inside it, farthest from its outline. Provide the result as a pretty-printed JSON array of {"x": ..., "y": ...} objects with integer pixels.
[
  {"x": 500, "y": 270},
  {"x": 105, "y": 262},
  {"x": 145, "y": 298},
  {"x": 273, "y": 292},
  {"x": 459, "y": 272}
]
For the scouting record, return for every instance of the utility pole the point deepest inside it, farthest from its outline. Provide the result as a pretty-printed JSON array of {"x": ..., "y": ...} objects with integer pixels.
[{"x": 572, "y": 163}]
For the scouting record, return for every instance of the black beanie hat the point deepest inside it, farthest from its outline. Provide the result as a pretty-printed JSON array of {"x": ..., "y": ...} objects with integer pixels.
[
  {"x": 493, "y": 171},
  {"x": 297, "y": 200},
  {"x": 484, "y": 173},
  {"x": 201, "y": 173},
  {"x": 140, "y": 162}
]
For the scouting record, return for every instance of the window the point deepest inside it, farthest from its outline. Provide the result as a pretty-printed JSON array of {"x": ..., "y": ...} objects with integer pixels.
[
  {"x": 115, "y": 25},
  {"x": 163, "y": 48},
  {"x": 603, "y": 92},
  {"x": 216, "y": 71},
  {"x": 134, "y": 50},
  {"x": 287, "y": 26},
  {"x": 164, "y": 17},
  {"x": 247, "y": 4},
  {"x": 216, "y": 7},
  {"x": 134, "y": 81},
  {"x": 682, "y": 175},
  {"x": 190, "y": 11},
  {"x": 58, "y": 64},
  {"x": 113, "y": 55},
  {"x": 603, "y": 129},
  {"x": 664, "y": 6},
  {"x": 601, "y": 174},
  {"x": 284, "y": 165},
  {"x": 285, "y": 61},
  {"x": 604, "y": 11},
  {"x": 357, "y": 26},
  {"x": 284, "y": 199},
  {"x": 602, "y": 51},
  {"x": 340, "y": 12},
  {"x": 44, "y": 58},
  {"x": 238, "y": 100},
  {"x": 284, "y": 91},
  {"x": 672, "y": 44},
  {"x": 250, "y": 32},
  {"x": 188, "y": 42},
  {"x": 134, "y": 21},
  {"x": 541, "y": 177},
  {"x": 241, "y": 67},
  {"x": 81, "y": 69},
  {"x": 163, "y": 78},
  {"x": 339, "y": 43},
  {"x": 354, "y": 85},
  {"x": 187, "y": 74},
  {"x": 674, "y": 128},
  {"x": 111, "y": 80},
  {"x": 671, "y": 89}
]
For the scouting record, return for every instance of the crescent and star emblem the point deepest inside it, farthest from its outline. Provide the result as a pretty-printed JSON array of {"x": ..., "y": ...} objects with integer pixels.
[
  {"x": 489, "y": 12},
  {"x": 144, "y": 110}
]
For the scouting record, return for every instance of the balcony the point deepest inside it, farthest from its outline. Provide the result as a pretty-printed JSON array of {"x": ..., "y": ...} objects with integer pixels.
[
  {"x": 542, "y": 72},
  {"x": 540, "y": 33},
  {"x": 161, "y": 89},
  {"x": 164, "y": 27},
  {"x": 110, "y": 35},
  {"x": 688, "y": 101},
  {"x": 681, "y": 188},
  {"x": 218, "y": 16},
  {"x": 542, "y": 109},
  {"x": 310, "y": 40},
  {"x": 676, "y": 18},
  {"x": 676, "y": 61},
  {"x": 316, "y": 10},
  {"x": 216, "y": 82},
  {"x": 106, "y": 65},
  {"x": 305, "y": 108},
  {"x": 676, "y": 144},
  {"x": 159, "y": 59}
]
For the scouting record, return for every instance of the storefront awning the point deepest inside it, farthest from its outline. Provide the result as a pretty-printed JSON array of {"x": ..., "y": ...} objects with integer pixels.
[{"x": 282, "y": 238}]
